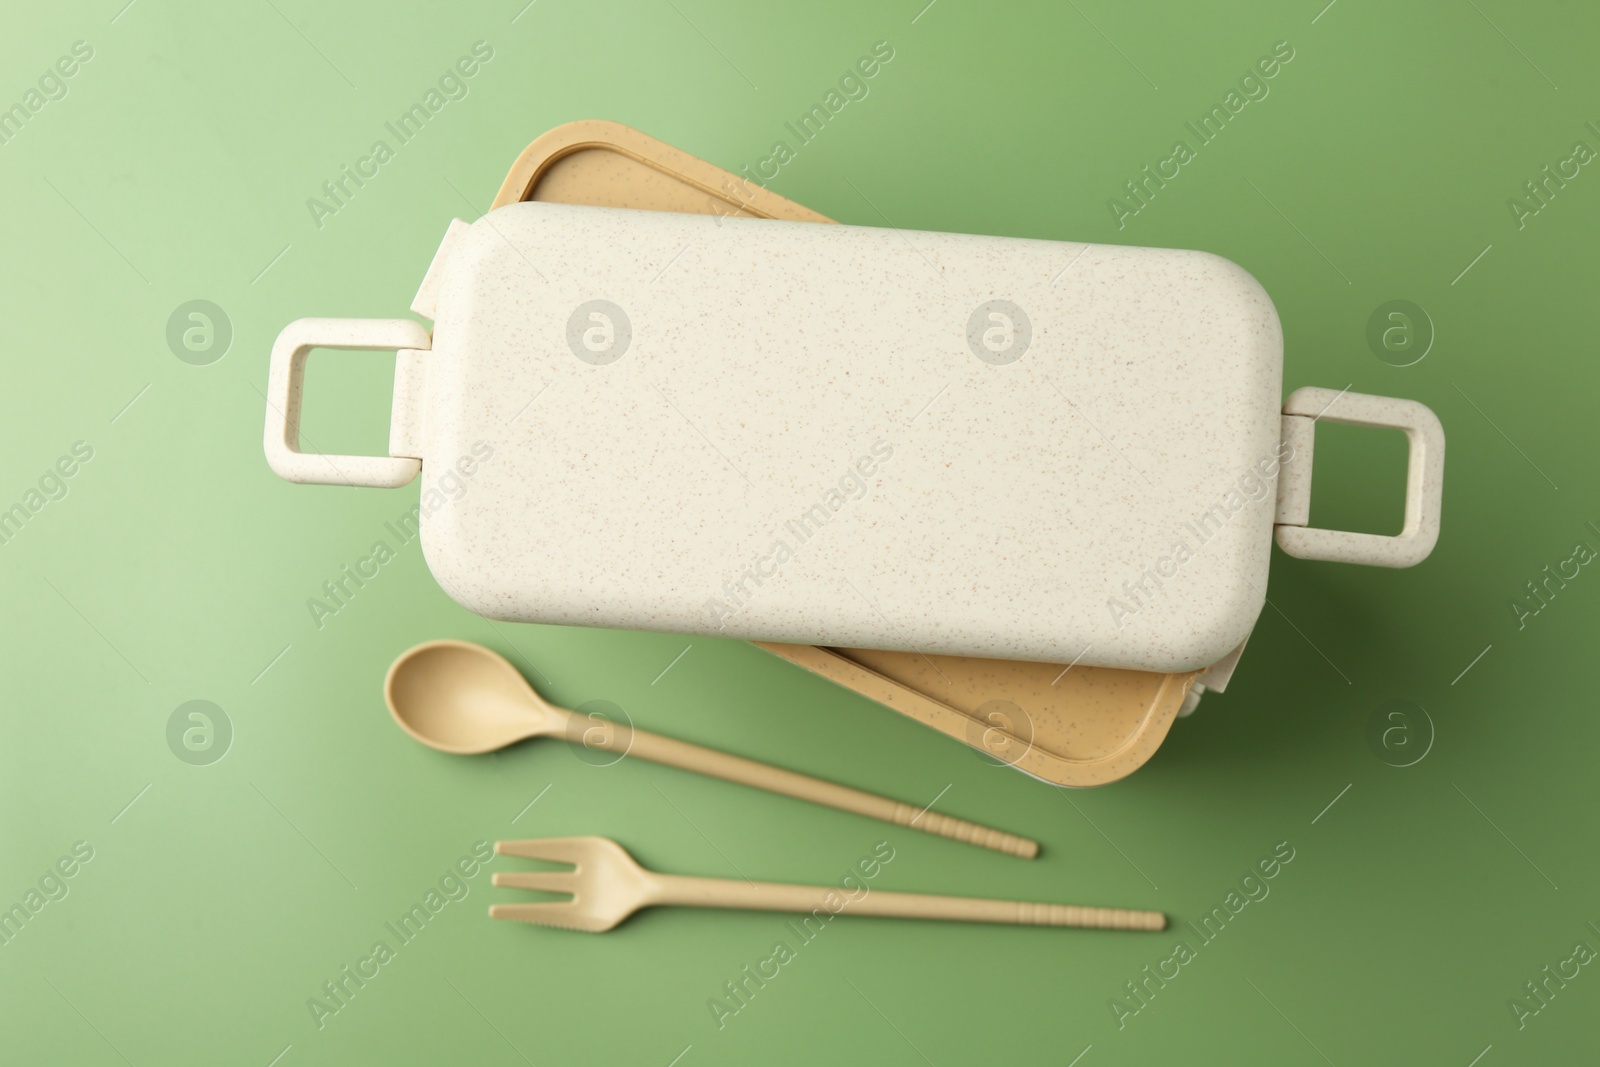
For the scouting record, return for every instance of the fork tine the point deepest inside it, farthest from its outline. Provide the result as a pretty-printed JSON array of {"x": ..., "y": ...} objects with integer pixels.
[
  {"x": 550, "y": 849},
  {"x": 546, "y": 912},
  {"x": 550, "y": 881},
  {"x": 559, "y": 914}
]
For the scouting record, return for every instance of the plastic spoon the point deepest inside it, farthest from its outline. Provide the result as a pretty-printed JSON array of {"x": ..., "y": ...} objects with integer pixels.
[{"x": 462, "y": 698}]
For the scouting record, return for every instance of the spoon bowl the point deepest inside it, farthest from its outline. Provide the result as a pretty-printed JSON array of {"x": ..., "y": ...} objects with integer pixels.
[{"x": 465, "y": 699}]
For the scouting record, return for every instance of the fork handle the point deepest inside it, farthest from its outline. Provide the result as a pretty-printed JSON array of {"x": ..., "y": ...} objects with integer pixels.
[
  {"x": 774, "y": 896},
  {"x": 674, "y": 753}
]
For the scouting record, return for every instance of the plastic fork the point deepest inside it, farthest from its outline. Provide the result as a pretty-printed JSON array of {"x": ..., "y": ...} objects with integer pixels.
[{"x": 607, "y": 885}]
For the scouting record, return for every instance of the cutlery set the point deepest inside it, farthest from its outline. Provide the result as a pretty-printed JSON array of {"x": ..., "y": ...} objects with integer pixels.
[{"x": 465, "y": 699}]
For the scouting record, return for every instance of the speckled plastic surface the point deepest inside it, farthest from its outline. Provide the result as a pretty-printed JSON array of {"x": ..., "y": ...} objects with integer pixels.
[{"x": 821, "y": 452}]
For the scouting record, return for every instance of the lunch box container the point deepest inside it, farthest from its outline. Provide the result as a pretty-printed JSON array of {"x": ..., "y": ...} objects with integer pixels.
[{"x": 1022, "y": 491}]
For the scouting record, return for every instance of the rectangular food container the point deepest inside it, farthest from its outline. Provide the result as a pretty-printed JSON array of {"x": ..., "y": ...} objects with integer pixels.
[{"x": 1090, "y": 451}]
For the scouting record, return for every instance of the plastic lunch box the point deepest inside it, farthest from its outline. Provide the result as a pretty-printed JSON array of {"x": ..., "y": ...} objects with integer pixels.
[{"x": 1006, "y": 492}]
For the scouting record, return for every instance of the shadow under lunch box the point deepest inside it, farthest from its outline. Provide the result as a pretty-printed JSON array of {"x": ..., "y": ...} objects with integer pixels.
[{"x": 836, "y": 439}]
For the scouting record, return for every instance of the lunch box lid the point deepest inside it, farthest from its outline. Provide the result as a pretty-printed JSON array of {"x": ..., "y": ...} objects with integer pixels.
[{"x": 797, "y": 436}]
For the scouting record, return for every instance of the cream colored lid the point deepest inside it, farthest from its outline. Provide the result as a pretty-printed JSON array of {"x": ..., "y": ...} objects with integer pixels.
[{"x": 821, "y": 434}]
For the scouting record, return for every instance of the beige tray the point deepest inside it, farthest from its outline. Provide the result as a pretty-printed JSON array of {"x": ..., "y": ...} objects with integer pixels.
[{"x": 1074, "y": 726}]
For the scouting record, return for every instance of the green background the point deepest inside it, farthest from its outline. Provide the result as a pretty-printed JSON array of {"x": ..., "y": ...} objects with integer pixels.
[{"x": 221, "y": 897}]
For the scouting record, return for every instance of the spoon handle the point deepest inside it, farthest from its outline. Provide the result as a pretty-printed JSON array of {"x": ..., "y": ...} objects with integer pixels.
[{"x": 659, "y": 749}]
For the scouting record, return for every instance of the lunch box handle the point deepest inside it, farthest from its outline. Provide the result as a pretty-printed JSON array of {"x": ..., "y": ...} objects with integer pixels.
[
  {"x": 286, "y": 382},
  {"x": 1424, "y": 478}
]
